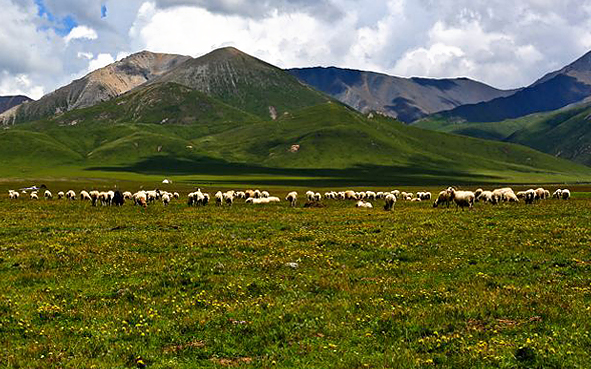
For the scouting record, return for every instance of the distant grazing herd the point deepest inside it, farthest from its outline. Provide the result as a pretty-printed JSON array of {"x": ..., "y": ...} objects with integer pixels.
[{"x": 462, "y": 199}]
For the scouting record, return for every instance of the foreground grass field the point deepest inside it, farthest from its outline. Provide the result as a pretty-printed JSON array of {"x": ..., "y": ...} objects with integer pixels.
[{"x": 506, "y": 286}]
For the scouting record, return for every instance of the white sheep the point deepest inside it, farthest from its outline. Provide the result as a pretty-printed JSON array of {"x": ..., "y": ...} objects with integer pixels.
[
  {"x": 390, "y": 202},
  {"x": 265, "y": 194},
  {"x": 140, "y": 198},
  {"x": 60, "y": 195},
  {"x": 176, "y": 195},
  {"x": 463, "y": 198},
  {"x": 48, "y": 195},
  {"x": 557, "y": 194},
  {"x": 292, "y": 197},
  {"x": 350, "y": 195},
  {"x": 14, "y": 195},
  {"x": 310, "y": 195},
  {"x": 364, "y": 204},
  {"x": 229, "y": 197},
  {"x": 34, "y": 196},
  {"x": 165, "y": 199},
  {"x": 219, "y": 198},
  {"x": 565, "y": 194},
  {"x": 71, "y": 195},
  {"x": 317, "y": 196},
  {"x": 444, "y": 197}
]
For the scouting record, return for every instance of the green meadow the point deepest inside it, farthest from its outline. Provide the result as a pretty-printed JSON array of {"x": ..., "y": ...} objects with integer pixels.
[{"x": 277, "y": 287}]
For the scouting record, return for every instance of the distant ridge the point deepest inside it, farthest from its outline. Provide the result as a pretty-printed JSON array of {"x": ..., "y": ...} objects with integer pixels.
[
  {"x": 569, "y": 85},
  {"x": 406, "y": 99},
  {"x": 8, "y": 102}
]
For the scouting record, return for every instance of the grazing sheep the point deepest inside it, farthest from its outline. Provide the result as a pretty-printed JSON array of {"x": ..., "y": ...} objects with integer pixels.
[
  {"x": 415, "y": 199},
  {"x": 396, "y": 193},
  {"x": 85, "y": 196},
  {"x": 477, "y": 194},
  {"x": 317, "y": 196},
  {"x": 265, "y": 194},
  {"x": 48, "y": 195},
  {"x": 176, "y": 195},
  {"x": 140, "y": 198},
  {"x": 292, "y": 197},
  {"x": 229, "y": 197},
  {"x": 34, "y": 196},
  {"x": 444, "y": 197},
  {"x": 165, "y": 199},
  {"x": 13, "y": 195},
  {"x": 557, "y": 194},
  {"x": 60, "y": 195},
  {"x": 127, "y": 195},
  {"x": 219, "y": 198},
  {"x": 350, "y": 195},
  {"x": 565, "y": 194},
  {"x": 498, "y": 195},
  {"x": 94, "y": 196},
  {"x": 390, "y": 202},
  {"x": 363, "y": 204},
  {"x": 370, "y": 195},
  {"x": 510, "y": 197},
  {"x": 197, "y": 198},
  {"x": 540, "y": 193},
  {"x": 463, "y": 198},
  {"x": 310, "y": 195},
  {"x": 71, "y": 195}
]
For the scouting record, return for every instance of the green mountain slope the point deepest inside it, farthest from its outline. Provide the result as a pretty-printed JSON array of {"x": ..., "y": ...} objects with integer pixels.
[
  {"x": 565, "y": 133},
  {"x": 162, "y": 103},
  {"x": 334, "y": 141}
]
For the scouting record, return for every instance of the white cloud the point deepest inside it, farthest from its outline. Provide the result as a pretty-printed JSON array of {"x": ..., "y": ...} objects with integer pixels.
[
  {"x": 101, "y": 60},
  {"x": 505, "y": 43},
  {"x": 81, "y": 32},
  {"x": 19, "y": 84},
  {"x": 83, "y": 55}
]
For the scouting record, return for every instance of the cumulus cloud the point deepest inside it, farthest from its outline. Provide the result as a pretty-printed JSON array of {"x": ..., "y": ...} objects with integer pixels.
[
  {"x": 81, "y": 32},
  {"x": 19, "y": 84},
  {"x": 501, "y": 42}
]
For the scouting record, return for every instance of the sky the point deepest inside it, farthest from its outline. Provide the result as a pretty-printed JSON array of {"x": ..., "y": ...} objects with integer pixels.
[{"x": 46, "y": 44}]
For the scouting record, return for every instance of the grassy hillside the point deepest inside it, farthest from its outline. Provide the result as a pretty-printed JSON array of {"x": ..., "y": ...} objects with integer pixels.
[
  {"x": 565, "y": 133},
  {"x": 336, "y": 144}
]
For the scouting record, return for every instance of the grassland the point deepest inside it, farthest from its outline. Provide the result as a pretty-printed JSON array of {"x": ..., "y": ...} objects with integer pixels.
[
  {"x": 178, "y": 287},
  {"x": 337, "y": 145}
]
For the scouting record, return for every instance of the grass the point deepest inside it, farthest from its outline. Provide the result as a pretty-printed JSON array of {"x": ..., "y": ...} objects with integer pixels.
[
  {"x": 179, "y": 287},
  {"x": 336, "y": 144},
  {"x": 563, "y": 133}
]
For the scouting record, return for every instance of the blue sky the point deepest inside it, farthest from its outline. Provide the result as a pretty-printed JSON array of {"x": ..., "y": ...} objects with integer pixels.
[{"x": 62, "y": 26}]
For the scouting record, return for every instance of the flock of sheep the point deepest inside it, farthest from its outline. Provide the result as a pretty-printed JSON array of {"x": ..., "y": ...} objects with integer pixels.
[
  {"x": 362, "y": 199},
  {"x": 468, "y": 198}
]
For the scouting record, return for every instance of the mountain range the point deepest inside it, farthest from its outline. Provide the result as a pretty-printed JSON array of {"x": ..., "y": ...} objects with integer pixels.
[
  {"x": 229, "y": 112},
  {"x": 551, "y": 115},
  {"x": 407, "y": 99}
]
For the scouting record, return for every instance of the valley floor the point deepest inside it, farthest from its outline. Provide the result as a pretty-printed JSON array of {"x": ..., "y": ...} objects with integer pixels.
[{"x": 273, "y": 286}]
